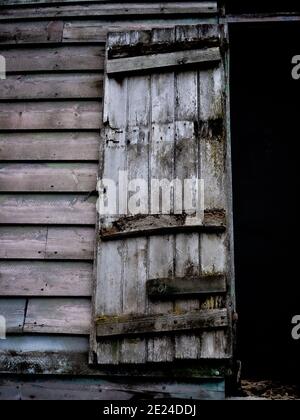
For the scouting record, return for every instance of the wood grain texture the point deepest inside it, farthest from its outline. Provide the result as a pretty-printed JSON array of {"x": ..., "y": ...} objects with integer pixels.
[
  {"x": 45, "y": 278},
  {"x": 74, "y": 243},
  {"x": 50, "y": 115},
  {"x": 32, "y": 32},
  {"x": 110, "y": 9},
  {"x": 82, "y": 30},
  {"x": 58, "y": 316},
  {"x": 197, "y": 37},
  {"x": 151, "y": 324},
  {"x": 52, "y": 146},
  {"x": 134, "y": 278},
  {"x": 82, "y": 2},
  {"x": 187, "y": 346},
  {"x": 46, "y": 86},
  {"x": 109, "y": 389},
  {"x": 157, "y": 224},
  {"x": 62, "y": 58},
  {"x": 49, "y": 177},
  {"x": 157, "y": 61},
  {"x": 161, "y": 166},
  {"x": 185, "y": 286},
  {"x": 110, "y": 257},
  {"x": 41, "y": 209},
  {"x": 13, "y": 310},
  {"x": 186, "y": 122}
]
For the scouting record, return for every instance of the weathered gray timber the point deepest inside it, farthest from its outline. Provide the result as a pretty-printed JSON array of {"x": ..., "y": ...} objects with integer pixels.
[
  {"x": 102, "y": 389},
  {"x": 163, "y": 124},
  {"x": 52, "y": 146},
  {"x": 51, "y": 111},
  {"x": 42, "y": 115},
  {"x": 155, "y": 324},
  {"x": 110, "y": 9},
  {"x": 44, "y": 242},
  {"x": 41, "y": 278},
  {"x": 186, "y": 286},
  {"x": 56, "y": 177}
]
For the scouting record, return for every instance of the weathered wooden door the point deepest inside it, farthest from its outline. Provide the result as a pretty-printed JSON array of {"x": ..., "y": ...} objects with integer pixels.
[{"x": 164, "y": 278}]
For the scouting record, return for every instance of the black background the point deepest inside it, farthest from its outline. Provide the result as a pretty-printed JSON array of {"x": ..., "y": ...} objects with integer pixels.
[
  {"x": 256, "y": 6},
  {"x": 265, "y": 119}
]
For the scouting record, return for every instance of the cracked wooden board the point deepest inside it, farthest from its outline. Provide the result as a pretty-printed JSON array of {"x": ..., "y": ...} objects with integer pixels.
[
  {"x": 13, "y": 310},
  {"x": 44, "y": 278},
  {"x": 47, "y": 243},
  {"x": 69, "y": 316}
]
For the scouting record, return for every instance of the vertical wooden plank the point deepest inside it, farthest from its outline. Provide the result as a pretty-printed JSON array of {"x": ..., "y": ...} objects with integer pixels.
[
  {"x": 161, "y": 248},
  {"x": 231, "y": 298},
  {"x": 133, "y": 350},
  {"x": 213, "y": 147},
  {"x": 186, "y": 167},
  {"x": 213, "y": 260},
  {"x": 109, "y": 299},
  {"x": 213, "y": 250},
  {"x": 135, "y": 260}
]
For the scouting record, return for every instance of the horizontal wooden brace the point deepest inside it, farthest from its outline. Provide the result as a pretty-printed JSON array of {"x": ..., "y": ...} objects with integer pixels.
[
  {"x": 150, "y": 225},
  {"x": 186, "y": 286},
  {"x": 154, "y": 61},
  {"x": 110, "y": 326},
  {"x": 167, "y": 230}
]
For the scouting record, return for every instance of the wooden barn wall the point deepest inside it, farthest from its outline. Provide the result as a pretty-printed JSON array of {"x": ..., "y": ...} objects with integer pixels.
[{"x": 50, "y": 116}]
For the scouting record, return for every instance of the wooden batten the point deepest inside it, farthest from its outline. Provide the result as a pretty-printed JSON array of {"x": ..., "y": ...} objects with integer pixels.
[
  {"x": 133, "y": 226},
  {"x": 157, "y": 324},
  {"x": 161, "y": 61},
  {"x": 181, "y": 287}
]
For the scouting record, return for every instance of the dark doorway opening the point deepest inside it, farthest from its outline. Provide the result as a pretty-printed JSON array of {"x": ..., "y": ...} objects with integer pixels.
[{"x": 265, "y": 119}]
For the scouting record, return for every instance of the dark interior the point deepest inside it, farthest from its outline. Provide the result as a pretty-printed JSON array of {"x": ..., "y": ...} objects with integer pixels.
[
  {"x": 265, "y": 118},
  {"x": 260, "y": 6}
]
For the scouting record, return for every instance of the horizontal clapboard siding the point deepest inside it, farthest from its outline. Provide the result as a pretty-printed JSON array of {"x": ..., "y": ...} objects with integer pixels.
[
  {"x": 47, "y": 115},
  {"x": 66, "y": 58},
  {"x": 67, "y": 32},
  {"x": 13, "y": 310},
  {"x": 51, "y": 278},
  {"x": 45, "y": 209},
  {"x": 82, "y": 2},
  {"x": 53, "y": 146},
  {"x": 69, "y": 316},
  {"x": 58, "y": 316},
  {"x": 54, "y": 177},
  {"x": 50, "y": 111},
  {"x": 48, "y": 86},
  {"x": 64, "y": 243},
  {"x": 109, "y": 10}
]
